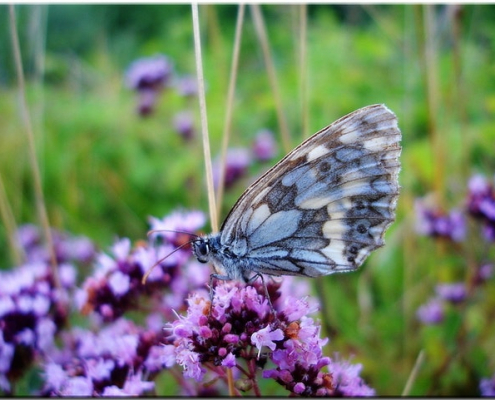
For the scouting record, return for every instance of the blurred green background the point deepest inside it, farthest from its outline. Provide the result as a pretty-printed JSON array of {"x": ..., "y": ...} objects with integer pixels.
[{"x": 105, "y": 169}]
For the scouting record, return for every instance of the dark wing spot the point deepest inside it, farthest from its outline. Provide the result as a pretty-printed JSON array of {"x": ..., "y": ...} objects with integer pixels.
[
  {"x": 281, "y": 198},
  {"x": 324, "y": 166}
]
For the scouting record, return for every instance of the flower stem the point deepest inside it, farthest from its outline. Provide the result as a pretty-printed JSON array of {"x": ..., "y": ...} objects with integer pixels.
[
  {"x": 252, "y": 375},
  {"x": 230, "y": 381}
]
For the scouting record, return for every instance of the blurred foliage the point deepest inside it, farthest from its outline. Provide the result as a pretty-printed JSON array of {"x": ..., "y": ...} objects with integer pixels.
[{"x": 105, "y": 169}]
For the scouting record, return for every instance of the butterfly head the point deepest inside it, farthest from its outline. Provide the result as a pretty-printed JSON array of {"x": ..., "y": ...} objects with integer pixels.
[{"x": 209, "y": 249}]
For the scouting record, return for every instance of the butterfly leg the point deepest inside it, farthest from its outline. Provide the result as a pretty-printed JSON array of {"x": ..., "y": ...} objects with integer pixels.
[
  {"x": 215, "y": 276},
  {"x": 252, "y": 279},
  {"x": 248, "y": 281}
]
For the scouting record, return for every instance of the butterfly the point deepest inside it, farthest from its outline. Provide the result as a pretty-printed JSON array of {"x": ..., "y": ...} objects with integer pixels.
[{"x": 322, "y": 209}]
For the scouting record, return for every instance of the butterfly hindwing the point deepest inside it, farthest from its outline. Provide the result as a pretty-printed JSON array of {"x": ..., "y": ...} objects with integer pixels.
[{"x": 325, "y": 206}]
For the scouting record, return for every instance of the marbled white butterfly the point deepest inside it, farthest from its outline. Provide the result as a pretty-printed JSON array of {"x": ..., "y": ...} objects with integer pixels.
[{"x": 322, "y": 209}]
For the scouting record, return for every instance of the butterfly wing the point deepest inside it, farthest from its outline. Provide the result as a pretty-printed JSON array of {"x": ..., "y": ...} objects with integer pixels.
[{"x": 326, "y": 205}]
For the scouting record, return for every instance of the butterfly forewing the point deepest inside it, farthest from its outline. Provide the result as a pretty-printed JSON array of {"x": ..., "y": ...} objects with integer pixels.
[{"x": 324, "y": 207}]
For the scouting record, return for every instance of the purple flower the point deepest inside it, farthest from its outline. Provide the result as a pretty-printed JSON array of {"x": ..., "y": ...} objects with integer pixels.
[
  {"x": 146, "y": 101},
  {"x": 116, "y": 286},
  {"x": 264, "y": 146},
  {"x": 67, "y": 274},
  {"x": 67, "y": 248},
  {"x": 453, "y": 292},
  {"x": 172, "y": 225},
  {"x": 149, "y": 73},
  {"x": 6, "y": 354},
  {"x": 214, "y": 338},
  {"x": 91, "y": 362},
  {"x": 487, "y": 387},
  {"x": 184, "y": 125},
  {"x": 187, "y": 85},
  {"x": 160, "y": 357},
  {"x": 485, "y": 272},
  {"x": 28, "y": 235},
  {"x": 99, "y": 369},
  {"x": 299, "y": 388},
  {"x": 45, "y": 333},
  {"x": 79, "y": 249},
  {"x": 119, "y": 283},
  {"x": 229, "y": 361},
  {"x": 114, "y": 391},
  {"x": 431, "y": 312},
  {"x": 32, "y": 312},
  {"x": 239, "y": 323},
  {"x": 266, "y": 337},
  {"x": 135, "y": 386},
  {"x": 457, "y": 226},
  {"x": 191, "y": 363},
  {"x": 487, "y": 208},
  {"x": 148, "y": 76},
  {"x": 478, "y": 186},
  {"x": 481, "y": 204},
  {"x": 489, "y": 231},
  {"x": 7, "y": 305},
  {"x": 435, "y": 223},
  {"x": 77, "y": 386},
  {"x": 346, "y": 380},
  {"x": 236, "y": 163},
  {"x": 121, "y": 249},
  {"x": 55, "y": 376}
]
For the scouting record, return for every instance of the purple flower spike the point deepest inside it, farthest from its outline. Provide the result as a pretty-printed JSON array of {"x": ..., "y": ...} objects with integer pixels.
[
  {"x": 487, "y": 387},
  {"x": 177, "y": 221},
  {"x": 111, "y": 361},
  {"x": 485, "y": 272},
  {"x": 236, "y": 164},
  {"x": 116, "y": 285},
  {"x": 184, "y": 125},
  {"x": 149, "y": 73},
  {"x": 187, "y": 86},
  {"x": 489, "y": 231},
  {"x": 457, "y": 226},
  {"x": 77, "y": 386},
  {"x": 478, "y": 186},
  {"x": 347, "y": 381},
  {"x": 148, "y": 76},
  {"x": 264, "y": 146},
  {"x": 454, "y": 292},
  {"x": 436, "y": 223},
  {"x": 431, "y": 313},
  {"x": 481, "y": 204},
  {"x": 242, "y": 328}
]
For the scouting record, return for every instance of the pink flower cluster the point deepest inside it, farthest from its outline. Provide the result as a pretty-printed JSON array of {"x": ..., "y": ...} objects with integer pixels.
[{"x": 240, "y": 328}]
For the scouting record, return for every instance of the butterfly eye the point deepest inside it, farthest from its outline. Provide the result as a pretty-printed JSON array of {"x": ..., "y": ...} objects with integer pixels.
[{"x": 201, "y": 250}]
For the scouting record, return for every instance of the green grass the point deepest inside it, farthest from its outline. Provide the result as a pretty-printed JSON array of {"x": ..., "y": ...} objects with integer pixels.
[{"x": 105, "y": 169}]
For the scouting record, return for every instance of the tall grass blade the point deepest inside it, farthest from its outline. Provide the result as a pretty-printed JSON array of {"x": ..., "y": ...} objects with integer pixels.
[
  {"x": 230, "y": 103},
  {"x": 38, "y": 191},
  {"x": 303, "y": 69},
  {"x": 16, "y": 253},
  {"x": 204, "y": 119},
  {"x": 260, "y": 28},
  {"x": 414, "y": 373}
]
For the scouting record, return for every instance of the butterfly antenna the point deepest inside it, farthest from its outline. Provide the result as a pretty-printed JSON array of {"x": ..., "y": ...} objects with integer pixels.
[
  {"x": 145, "y": 277},
  {"x": 171, "y": 230}
]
